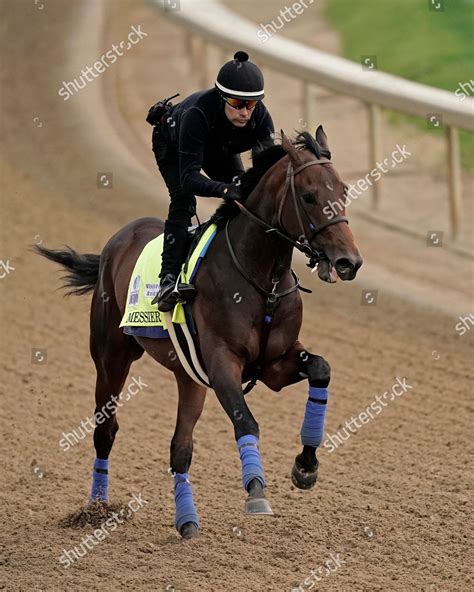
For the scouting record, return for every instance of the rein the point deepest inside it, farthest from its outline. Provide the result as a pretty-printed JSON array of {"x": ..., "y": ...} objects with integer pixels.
[{"x": 302, "y": 244}]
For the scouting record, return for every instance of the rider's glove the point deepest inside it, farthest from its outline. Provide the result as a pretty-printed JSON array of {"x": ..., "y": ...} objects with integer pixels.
[{"x": 231, "y": 192}]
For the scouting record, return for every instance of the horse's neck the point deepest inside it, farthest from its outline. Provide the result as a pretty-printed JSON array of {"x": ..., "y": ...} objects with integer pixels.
[{"x": 256, "y": 251}]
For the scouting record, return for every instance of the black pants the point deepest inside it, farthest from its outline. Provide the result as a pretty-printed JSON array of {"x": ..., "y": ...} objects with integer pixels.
[{"x": 182, "y": 203}]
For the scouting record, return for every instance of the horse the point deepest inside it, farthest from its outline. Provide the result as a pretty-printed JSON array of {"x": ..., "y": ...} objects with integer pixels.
[{"x": 283, "y": 199}]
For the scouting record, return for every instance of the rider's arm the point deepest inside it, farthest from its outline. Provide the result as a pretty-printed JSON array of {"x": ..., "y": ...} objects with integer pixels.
[
  {"x": 265, "y": 133},
  {"x": 192, "y": 136}
]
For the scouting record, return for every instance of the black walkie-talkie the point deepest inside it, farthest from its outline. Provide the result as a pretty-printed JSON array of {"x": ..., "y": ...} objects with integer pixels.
[{"x": 159, "y": 109}]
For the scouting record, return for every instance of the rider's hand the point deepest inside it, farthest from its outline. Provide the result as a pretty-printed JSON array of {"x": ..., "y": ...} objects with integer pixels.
[{"x": 231, "y": 192}]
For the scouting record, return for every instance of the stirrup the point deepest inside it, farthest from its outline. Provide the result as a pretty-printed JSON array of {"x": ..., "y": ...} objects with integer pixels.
[
  {"x": 180, "y": 294},
  {"x": 168, "y": 287},
  {"x": 186, "y": 292}
]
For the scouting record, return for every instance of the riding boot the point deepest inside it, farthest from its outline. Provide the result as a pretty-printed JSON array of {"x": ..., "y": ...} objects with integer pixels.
[{"x": 174, "y": 251}]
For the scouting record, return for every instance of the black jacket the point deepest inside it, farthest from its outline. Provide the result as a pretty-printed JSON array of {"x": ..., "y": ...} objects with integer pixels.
[{"x": 199, "y": 130}]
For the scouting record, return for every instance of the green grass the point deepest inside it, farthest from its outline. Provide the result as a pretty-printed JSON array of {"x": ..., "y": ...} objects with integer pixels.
[{"x": 409, "y": 40}]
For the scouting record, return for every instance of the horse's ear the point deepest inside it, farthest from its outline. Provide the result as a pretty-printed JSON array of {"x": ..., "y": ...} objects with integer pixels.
[
  {"x": 289, "y": 148},
  {"x": 322, "y": 139}
]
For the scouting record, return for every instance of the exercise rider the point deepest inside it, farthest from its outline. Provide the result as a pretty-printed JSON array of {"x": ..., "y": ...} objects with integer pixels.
[{"x": 208, "y": 130}]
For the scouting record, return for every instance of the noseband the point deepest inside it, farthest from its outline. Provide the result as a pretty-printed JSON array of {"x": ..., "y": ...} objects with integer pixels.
[{"x": 303, "y": 243}]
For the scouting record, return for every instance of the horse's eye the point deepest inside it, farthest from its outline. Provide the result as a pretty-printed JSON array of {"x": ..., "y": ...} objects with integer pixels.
[{"x": 309, "y": 198}]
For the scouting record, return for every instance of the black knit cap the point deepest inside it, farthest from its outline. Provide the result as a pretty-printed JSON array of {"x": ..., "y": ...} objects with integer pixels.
[{"x": 241, "y": 79}]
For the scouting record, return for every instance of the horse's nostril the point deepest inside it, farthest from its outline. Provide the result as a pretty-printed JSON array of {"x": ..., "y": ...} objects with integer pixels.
[
  {"x": 344, "y": 265},
  {"x": 348, "y": 266}
]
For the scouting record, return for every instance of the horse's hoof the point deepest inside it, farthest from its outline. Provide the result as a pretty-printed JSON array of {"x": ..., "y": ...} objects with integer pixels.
[
  {"x": 303, "y": 479},
  {"x": 258, "y": 506},
  {"x": 189, "y": 530}
]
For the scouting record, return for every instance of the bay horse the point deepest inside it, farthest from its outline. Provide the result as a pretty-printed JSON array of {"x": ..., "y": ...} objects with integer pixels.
[{"x": 283, "y": 198}]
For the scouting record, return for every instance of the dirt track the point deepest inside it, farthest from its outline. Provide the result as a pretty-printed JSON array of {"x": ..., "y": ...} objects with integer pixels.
[{"x": 403, "y": 477}]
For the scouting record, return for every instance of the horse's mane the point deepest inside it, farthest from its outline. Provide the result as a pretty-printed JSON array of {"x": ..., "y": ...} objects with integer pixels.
[{"x": 262, "y": 162}]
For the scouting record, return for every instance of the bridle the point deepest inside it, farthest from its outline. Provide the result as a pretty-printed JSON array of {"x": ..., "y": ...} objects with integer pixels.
[{"x": 303, "y": 243}]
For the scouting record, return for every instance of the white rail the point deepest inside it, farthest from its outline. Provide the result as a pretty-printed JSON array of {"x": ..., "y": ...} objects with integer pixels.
[{"x": 217, "y": 25}]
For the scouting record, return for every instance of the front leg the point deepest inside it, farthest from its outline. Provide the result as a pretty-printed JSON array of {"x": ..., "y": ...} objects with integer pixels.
[
  {"x": 225, "y": 375},
  {"x": 296, "y": 364}
]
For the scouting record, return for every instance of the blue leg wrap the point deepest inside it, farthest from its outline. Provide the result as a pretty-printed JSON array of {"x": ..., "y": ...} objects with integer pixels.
[
  {"x": 251, "y": 462},
  {"x": 100, "y": 480},
  {"x": 183, "y": 495},
  {"x": 312, "y": 430}
]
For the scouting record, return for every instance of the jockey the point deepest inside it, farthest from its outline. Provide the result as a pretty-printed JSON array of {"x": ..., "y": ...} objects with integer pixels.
[{"x": 208, "y": 130}]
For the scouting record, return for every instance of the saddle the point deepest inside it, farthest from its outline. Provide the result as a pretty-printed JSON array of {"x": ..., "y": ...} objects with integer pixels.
[{"x": 195, "y": 232}]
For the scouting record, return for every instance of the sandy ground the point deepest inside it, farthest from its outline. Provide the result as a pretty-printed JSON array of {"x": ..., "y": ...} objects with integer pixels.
[{"x": 392, "y": 500}]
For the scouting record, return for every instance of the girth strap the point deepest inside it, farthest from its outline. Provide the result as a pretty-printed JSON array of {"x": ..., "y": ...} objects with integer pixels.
[{"x": 271, "y": 304}]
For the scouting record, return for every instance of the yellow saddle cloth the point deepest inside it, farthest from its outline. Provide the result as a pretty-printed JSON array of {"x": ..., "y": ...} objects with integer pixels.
[{"x": 144, "y": 283}]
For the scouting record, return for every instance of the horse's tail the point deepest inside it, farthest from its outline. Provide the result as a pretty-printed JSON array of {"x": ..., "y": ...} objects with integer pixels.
[{"x": 83, "y": 269}]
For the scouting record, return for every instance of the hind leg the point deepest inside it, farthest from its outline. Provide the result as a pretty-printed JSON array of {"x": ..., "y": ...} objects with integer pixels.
[
  {"x": 191, "y": 403},
  {"x": 295, "y": 365},
  {"x": 113, "y": 353}
]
